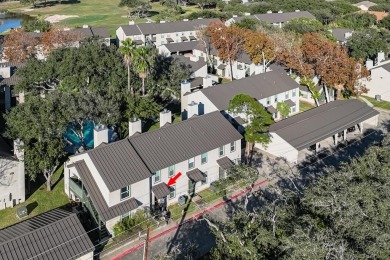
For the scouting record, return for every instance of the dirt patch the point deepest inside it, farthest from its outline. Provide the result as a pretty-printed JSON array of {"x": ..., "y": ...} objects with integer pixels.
[{"x": 58, "y": 18}]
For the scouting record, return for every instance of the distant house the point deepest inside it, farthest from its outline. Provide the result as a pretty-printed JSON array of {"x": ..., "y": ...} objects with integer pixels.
[
  {"x": 364, "y": 5},
  {"x": 161, "y": 33},
  {"x": 117, "y": 179},
  {"x": 277, "y": 19},
  {"x": 341, "y": 35},
  {"x": 379, "y": 77},
  {"x": 198, "y": 67},
  {"x": 302, "y": 134},
  {"x": 57, "y": 234},
  {"x": 8, "y": 79},
  {"x": 268, "y": 88},
  {"x": 379, "y": 15},
  {"x": 12, "y": 176}
]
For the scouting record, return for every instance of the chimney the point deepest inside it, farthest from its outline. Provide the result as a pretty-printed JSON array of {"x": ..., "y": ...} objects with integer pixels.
[
  {"x": 280, "y": 12},
  {"x": 247, "y": 14},
  {"x": 380, "y": 57},
  {"x": 269, "y": 12},
  {"x": 135, "y": 126},
  {"x": 207, "y": 81},
  {"x": 66, "y": 29},
  {"x": 18, "y": 149},
  {"x": 100, "y": 135},
  {"x": 258, "y": 69},
  {"x": 194, "y": 58},
  {"x": 185, "y": 20},
  {"x": 369, "y": 64},
  {"x": 347, "y": 35},
  {"x": 235, "y": 16},
  {"x": 165, "y": 117},
  {"x": 37, "y": 31},
  {"x": 297, "y": 11},
  {"x": 193, "y": 109},
  {"x": 131, "y": 22},
  {"x": 200, "y": 18},
  {"x": 162, "y": 21},
  {"x": 85, "y": 26},
  {"x": 185, "y": 87}
]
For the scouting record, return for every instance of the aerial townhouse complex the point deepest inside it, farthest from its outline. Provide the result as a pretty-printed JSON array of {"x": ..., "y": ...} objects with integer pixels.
[{"x": 114, "y": 180}]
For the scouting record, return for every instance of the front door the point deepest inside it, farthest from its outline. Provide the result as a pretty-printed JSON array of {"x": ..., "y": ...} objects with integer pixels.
[
  {"x": 221, "y": 173},
  {"x": 191, "y": 187}
]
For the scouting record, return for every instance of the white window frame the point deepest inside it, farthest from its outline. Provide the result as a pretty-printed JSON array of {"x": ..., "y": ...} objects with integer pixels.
[
  {"x": 287, "y": 95},
  {"x": 293, "y": 93},
  {"x": 169, "y": 171},
  {"x": 201, "y": 158},
  {"x": 268, "y": 101},
  {"x": 293, "y": 109},
  {"x": 233, "y": 144},
  {"x": 189, "y": 163},
  {"x": 159, "y": 176},
  {"x": 222, "y": 148},
  {"x": 122, "y": 192},
  {"x": 172, "y": 189}
]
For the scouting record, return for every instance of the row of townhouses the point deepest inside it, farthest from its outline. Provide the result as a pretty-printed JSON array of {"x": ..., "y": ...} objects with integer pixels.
[
  {"x": 183, "y": 31},
  {"x": 114, "y": 180}
]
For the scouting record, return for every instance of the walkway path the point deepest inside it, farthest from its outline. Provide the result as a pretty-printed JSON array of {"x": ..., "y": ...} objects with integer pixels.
[{"x": 161, "y": 237}]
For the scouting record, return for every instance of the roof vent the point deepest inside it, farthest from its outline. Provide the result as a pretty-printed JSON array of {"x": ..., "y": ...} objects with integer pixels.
[
  {"x": 297, "y": 11},
  {"x": 280, "y": 11},
  {"x": 85, "y": 26},
  {"x": 131, "y": 22},
  {"x": 185, "y": 20},
  {"x": 269, "y": 12}
]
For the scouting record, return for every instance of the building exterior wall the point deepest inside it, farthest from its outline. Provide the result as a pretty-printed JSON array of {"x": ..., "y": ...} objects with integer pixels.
[
  {"x": 201, "y": 73},
  {"x": 373, "y": 121},
  {"x": 199, "y": 97},
  {"x": 280, "y": 148},
  {"x": 87, "y": 256},
  {"x": 139, "y": 190},
  {"x": 211, "y": 167},
  {"x": 379, "y": 83},
  {"x": 12, "y": 183}
]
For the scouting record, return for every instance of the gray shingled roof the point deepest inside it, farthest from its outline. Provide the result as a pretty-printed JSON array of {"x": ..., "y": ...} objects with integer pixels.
[
  {"x": 258, "y": 86},
  {"x": 366, "y": 3},
  {"x": 225, "y": 163},
  {"x": 196, "y": 175},
  {"x": 105, "y": 212},
  {"x": 181, "y": 46},
  {"x": 307, "y": 128},
  {"x": 192, "y": 65},
  {"x": 271, "y": 109},
  {"x": 119, "y": 164},
  {"x": 339, "y": 33},
  {"x": 160, "y": 190},
  {"x": 11, "y": 81},
  {"x": 100, "y": 32},
  {"x": 283, "y": 17},
  {"x": 178, "y": 142},
  {"x": 171, "y": 27},
  {"x": 290, "y": 103},
  {"x": 57, "y": 234}
]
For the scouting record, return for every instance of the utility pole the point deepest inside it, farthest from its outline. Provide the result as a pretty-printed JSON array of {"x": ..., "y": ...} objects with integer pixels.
[{"x": 147, "y": 240}]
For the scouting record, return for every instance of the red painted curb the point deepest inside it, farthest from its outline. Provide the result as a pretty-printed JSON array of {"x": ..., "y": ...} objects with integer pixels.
[{"x": 134, "y": 248}]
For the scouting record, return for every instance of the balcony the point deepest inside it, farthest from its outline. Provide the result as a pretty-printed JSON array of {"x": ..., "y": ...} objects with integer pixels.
[{"x": 75, "y": 186}]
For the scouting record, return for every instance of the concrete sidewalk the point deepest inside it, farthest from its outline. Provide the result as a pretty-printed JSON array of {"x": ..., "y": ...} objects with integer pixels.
[{"x": 128, "y": 247}]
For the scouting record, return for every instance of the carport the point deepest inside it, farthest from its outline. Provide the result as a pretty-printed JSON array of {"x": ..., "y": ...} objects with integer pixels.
[{"x": 328, "y": 123}]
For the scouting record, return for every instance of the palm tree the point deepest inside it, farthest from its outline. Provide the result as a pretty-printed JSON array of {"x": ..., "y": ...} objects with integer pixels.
[
  {"x": 143, "y": 62},
  {"x": 127, "y": 49}
]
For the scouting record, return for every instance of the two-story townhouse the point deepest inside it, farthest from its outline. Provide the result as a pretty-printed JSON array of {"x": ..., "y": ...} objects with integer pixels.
[
  {"x": 241, "y": 68},
  {"x": 378, "y": 83},
  {"x": 277, "y": 19},
  {"x": 114, "y": 180},
  {"x": 268, "y": 88},
  {"x": 161, "y": 33},
  {"x": 12, "y": 177}
]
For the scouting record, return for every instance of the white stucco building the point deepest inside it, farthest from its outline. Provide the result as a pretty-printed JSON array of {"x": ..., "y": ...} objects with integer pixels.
[
  {"x": 133, "y": 173},
  {"x": 12, "y": 176}
]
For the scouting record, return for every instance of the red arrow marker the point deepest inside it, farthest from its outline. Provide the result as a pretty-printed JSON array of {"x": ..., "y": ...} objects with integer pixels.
[{"x": 173, "y": 179}]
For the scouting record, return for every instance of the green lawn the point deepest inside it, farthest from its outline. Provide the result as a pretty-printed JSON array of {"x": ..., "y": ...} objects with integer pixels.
[
  {"x": 303, "y": 106},
  {"x": 40, "y": 201},
  {"x": 91, "y": 12},
  {"x": 380, "y": 104}
]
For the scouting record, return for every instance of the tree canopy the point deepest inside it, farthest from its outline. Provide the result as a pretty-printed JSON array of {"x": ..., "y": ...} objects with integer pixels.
[
  {"x": 343, "y": 214},
  {"x": 366, "y": 44}
]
